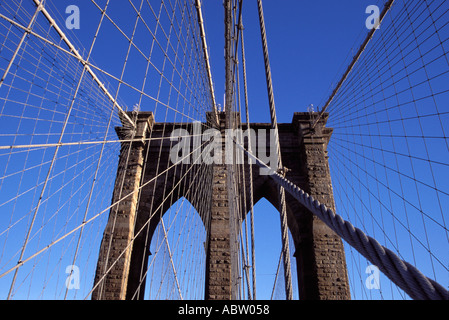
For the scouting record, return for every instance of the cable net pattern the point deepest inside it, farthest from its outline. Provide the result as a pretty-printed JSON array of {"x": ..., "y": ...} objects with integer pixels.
[
  {"x": 64, "y": 93},
  {"x": 61, "y": 98},
  {"x": 389, "y": 151}
]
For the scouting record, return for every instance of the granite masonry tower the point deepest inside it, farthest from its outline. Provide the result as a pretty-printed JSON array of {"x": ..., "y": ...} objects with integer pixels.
[{"x": 124, "y": 252}]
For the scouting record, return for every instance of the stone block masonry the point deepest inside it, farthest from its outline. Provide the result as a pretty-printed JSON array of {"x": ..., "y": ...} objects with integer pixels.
[
  {"x": 219, "y": 263},
  {"x": 320, "y": 257}
]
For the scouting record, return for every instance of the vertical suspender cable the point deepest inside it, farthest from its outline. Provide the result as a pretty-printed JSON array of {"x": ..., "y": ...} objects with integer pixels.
[
  {"x": 251, "y": 188},
  {"x": 283, "y": 209}
]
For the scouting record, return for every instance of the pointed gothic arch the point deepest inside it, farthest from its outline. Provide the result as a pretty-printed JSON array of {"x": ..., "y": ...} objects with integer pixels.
[
  {"x": 176, "y": 249},
  {"x": 156, "y": 183},
  {"x": 156, "y": 199}
]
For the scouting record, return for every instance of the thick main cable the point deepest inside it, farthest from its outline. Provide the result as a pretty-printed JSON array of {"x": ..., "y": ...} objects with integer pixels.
[{"x": 402, "y": 273}]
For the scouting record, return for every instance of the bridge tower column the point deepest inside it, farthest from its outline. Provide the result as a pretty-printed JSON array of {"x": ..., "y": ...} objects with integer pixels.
[
  {"x": 321, "y": 263},
  {"x": 114, "y": 262},
  {"x": 220, "y": 282},
  {"x": 218, "y": 251}
]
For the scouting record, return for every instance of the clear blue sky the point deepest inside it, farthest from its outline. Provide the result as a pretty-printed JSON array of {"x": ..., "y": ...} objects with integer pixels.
[{"x": 310, "y": 43}]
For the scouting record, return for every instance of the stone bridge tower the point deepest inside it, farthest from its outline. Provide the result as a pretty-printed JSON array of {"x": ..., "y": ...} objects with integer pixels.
[{"x": 319, "y": 252}]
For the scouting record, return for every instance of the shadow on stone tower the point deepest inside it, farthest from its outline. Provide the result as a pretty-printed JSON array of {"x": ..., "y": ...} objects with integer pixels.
[{"x": 124, "y": 252}]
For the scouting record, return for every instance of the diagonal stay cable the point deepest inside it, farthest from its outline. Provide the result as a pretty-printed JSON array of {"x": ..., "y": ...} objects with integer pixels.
[
  {"x": 82, "y": 225},
  {"x": 402, "y": 273},
  {"x": 97, "y": 142},
  {"x": 146, "y": 224},
  {"x": 52, "y": 165},
  {"x": 356, "y": 58},
  {"x": 206, "y": 57},
  {"x": 80, "y": 58},
  {"x": 39, "y": 8},
  {"x": 170, "y": 254}
]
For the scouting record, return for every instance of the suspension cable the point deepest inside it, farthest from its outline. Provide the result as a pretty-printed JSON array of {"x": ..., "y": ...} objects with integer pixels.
[
  {"x": 274, "y": 124},
  {"x": 80, "y": 58},
  {"x": 356, "y": 58},
  {"x": 251, "y": 187},
  {"x": 402, "y": 273},
  {"x": 198, "y": 6}
]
